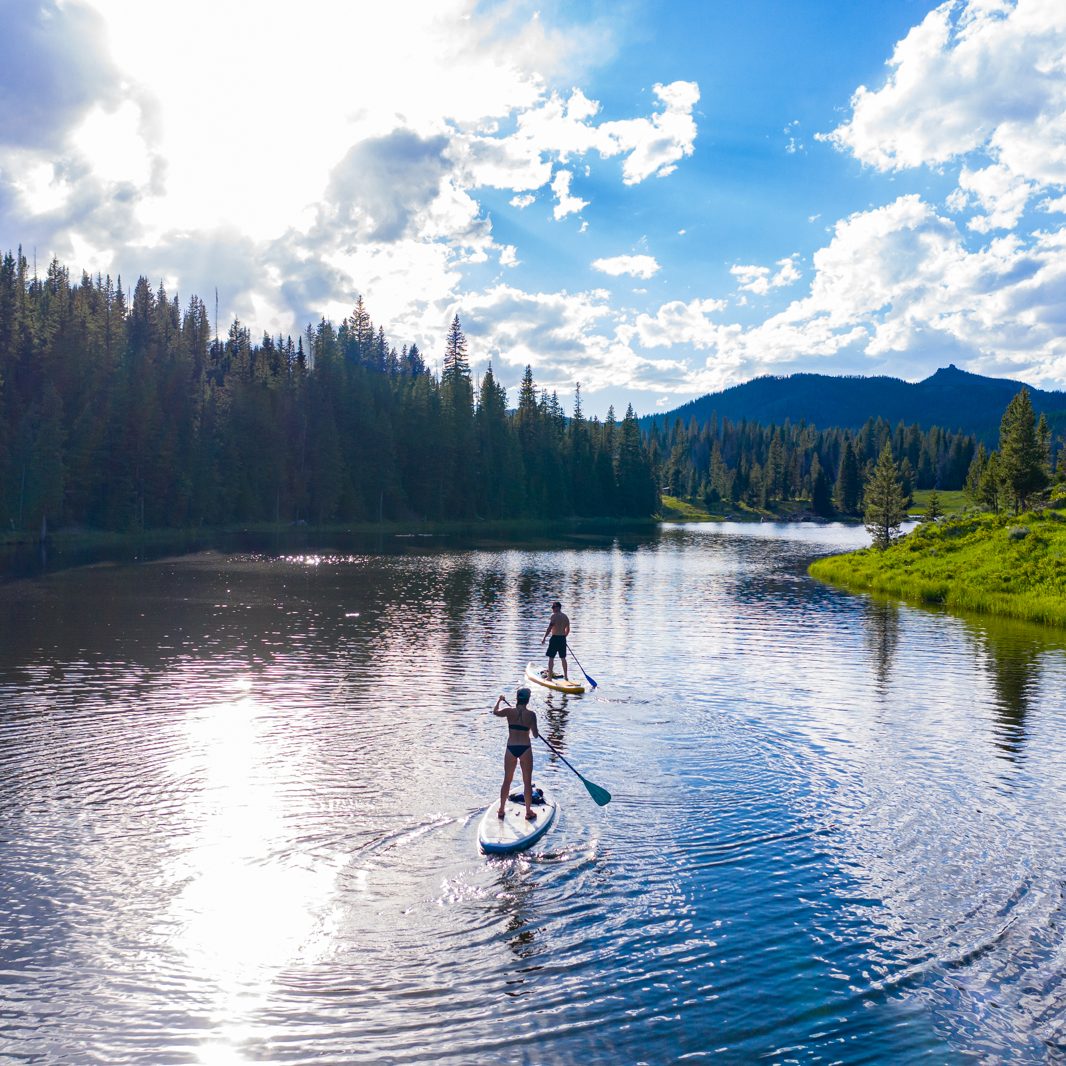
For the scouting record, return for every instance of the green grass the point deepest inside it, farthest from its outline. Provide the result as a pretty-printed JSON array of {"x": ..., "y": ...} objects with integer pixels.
[
  {"x": 952, "y": 501},
  {"x": 677, "y": 510},
  {"x": 970, "y": 563}
]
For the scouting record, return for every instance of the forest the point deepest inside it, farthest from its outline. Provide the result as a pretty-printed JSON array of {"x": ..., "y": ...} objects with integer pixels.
[
  {"x": 726, "y": 462},
  {"x": 123, "y": 411}
]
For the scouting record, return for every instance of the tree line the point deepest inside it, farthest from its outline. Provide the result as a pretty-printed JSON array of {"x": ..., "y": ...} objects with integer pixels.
[
  {"x": 1016, "y": 475},
  {"x": 124, "y": 411},
  {"x": 732, "y": 463}
]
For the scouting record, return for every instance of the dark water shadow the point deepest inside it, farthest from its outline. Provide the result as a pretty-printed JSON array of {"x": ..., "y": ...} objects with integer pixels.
[{"x": 61, "y": 553}]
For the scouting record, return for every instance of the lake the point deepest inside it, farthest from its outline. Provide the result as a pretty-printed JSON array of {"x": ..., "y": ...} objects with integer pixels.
[{"x": 239, "y": 795}]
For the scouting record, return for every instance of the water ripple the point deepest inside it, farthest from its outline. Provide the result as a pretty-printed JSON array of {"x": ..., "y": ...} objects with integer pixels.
[{"x": 239, "y": 797}]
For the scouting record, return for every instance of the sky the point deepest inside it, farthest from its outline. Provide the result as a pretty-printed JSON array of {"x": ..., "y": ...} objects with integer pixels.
[{"x": 654, "y": 199}]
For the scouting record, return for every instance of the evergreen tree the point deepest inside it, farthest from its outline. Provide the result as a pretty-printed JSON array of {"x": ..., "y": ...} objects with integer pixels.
[
  {"x": 933, "y": 508},
  {"x": 990, "y": 486},
  {"x": 848, "y": 486},
  {"x": 885, "y": 508},
  {"x": 455, "y": 360},
  {"x": 821, "y": 495},
  {"x": 497, "y": 455},
  {"x": 1021, "y": 453},
  {"x": 972, "y": 487},
  {"x": 637, "y": 494},
  {"x": 125, "y": 414},
  {"x": 458, "y": 439},
  {"x": 1043, "y": 438}
]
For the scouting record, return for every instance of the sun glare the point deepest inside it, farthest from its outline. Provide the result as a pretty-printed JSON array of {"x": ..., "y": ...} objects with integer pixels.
[{"x": 251, "y": 901}]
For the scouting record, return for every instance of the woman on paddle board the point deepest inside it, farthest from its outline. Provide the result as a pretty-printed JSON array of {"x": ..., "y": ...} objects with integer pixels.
[{"x": 521, "y": 726}]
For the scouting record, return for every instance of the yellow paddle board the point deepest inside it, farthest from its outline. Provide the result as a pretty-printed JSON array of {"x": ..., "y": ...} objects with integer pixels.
[{"x": 538, "y": 677}]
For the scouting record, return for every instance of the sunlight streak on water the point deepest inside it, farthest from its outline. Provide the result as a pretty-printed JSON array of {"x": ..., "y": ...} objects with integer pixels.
[{"x": 239, "y": 795}]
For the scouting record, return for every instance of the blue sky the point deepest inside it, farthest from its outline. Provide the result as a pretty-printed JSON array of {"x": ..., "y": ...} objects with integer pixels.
[{"x": 655, "y": 199}]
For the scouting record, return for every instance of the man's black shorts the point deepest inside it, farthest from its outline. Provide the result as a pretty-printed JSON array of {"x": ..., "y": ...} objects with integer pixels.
[{"x": 556, "y": 646}]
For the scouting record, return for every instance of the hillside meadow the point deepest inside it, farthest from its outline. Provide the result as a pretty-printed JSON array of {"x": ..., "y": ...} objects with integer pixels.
[{"x": 1008, "y": 565}]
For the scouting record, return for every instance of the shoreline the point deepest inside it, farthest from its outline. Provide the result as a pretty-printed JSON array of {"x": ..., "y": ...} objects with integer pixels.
[
  {"x": 80, "y": 538},
  {"x": 1008, "y": 566}
]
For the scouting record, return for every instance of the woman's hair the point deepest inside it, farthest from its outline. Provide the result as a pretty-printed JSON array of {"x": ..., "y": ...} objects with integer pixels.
[{"x": 522, "y": 696}]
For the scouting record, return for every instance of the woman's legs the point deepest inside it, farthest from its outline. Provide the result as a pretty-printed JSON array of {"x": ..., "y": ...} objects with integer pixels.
[
  {"x": 527, "y": 781},
  {"x": 508, "y": 772}
]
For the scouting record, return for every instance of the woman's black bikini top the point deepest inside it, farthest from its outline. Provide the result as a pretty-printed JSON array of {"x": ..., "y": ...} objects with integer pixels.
[{"x": 520, "y": 728}]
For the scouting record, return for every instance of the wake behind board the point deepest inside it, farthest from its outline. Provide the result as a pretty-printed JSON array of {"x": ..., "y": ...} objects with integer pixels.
[
  {"x": 573, "y": 688},
  {"x": 500, "y": 836}
]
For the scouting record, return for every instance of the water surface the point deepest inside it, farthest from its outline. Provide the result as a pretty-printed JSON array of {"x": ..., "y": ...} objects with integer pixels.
[{"x": 239, "y": 794}]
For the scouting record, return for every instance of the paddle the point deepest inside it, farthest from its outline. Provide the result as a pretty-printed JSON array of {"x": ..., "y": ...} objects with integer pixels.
[
  {"x": 591, "y": 681},
  {"x": 600, "y": 795}
]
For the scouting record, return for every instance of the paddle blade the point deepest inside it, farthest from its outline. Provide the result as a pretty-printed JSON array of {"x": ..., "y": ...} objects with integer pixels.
[
  {"x": 590, "y": 680},
  {"x": 600, "y": 795}
]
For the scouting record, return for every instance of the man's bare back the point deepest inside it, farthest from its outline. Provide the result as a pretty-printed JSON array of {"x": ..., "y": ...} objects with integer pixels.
[{"x": 558, "y": 629}]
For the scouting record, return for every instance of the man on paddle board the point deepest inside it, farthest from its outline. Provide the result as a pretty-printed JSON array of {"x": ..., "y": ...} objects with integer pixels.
[
  {"x": 558, "y": 629},
  {"x": 521, "y": 725}
]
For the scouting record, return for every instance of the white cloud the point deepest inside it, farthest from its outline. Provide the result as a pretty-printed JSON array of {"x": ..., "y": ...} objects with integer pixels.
[
  {"x": 760, "y": 280},
  {"x": 566, "y": 204},
  {"x": 997, "y": 191},
  {"x": 656, "y": 145},
  {"x": 899, "y": 279},
  {"x": 564, "y": 128},
  {"x": 970, "y": 76},
  {"x": 637, "y": 266},
  {"x": 680, "y": 323},
  {"x": 794, "y": 144},
  {"x": 122, "y": 148},
  {"x": 566, "y": 337}
]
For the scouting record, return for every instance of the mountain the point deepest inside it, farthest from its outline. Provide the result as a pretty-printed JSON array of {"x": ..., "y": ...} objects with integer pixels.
[{"x": 950, "y": 398}]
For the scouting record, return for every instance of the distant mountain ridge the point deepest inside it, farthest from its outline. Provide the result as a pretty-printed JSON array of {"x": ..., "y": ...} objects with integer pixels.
[{"x": 950, "y": 398}]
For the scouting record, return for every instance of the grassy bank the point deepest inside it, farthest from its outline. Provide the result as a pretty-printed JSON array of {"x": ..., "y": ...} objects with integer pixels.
[
  {"x": 675, "y": 509},
  {"x": 952, "y": 501},
  {"x": 1013, "y": 566}
]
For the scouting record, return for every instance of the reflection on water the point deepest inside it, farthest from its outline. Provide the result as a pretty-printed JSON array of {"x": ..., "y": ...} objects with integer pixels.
[
  {"x": 1013, "y": 657},
  {"x": 239, "y": 795},
  {"x": 882, "y": 636}
]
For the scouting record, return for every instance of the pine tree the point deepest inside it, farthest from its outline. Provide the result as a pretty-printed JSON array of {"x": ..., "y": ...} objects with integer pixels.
[
  {"x": 885, "y": 508},
  {"x": 972, "y": 487},
  {"x": 458, "y": 438},
  {"x": 847, "y": 489},
  {"x": 495, "y": 459},
  {"x": 933, "y": 508},
  {"x": 1021, "y": 453},
  {"x": 990, "y": 485},
  {"x": 455, "y": 361},
  {"x": 637, "y": 495},
  {"x": 821, "y": 496}
]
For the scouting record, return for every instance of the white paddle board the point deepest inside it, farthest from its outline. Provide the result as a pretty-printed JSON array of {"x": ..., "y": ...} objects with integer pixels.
[{"x": 512, "y": 832}]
